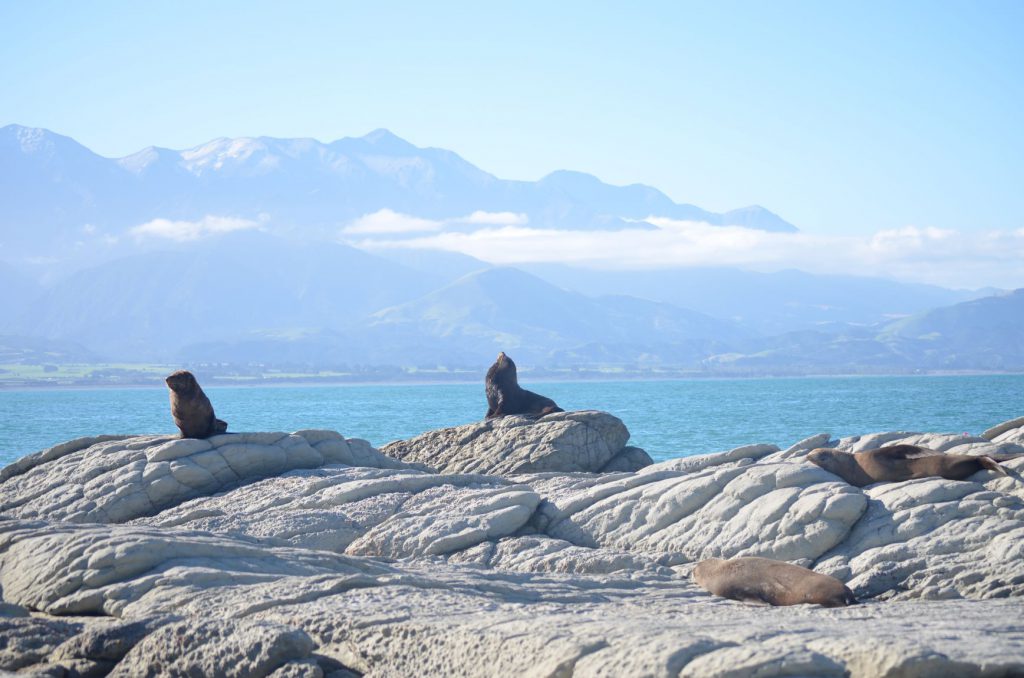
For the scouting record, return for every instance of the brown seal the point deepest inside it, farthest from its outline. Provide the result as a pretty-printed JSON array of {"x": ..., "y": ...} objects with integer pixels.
[
  {"x": 191, "y": 409},
  {"x": 895, "y": 463},
  {"x": 762, "y": 580},
  {"x": 505, "y": 396}
]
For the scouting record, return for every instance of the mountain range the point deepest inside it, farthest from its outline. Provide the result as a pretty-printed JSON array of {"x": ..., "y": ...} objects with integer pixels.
[
  {"x": 54, "y": 187},
  {"x": 266, "y": 280}
]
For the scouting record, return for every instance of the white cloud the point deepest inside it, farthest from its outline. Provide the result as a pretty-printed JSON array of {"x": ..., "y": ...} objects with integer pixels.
[
  {"x": 495, "y": 218},
  {"x": 389, "y": 222},
  {"x": 191, "y": 230},
  {"x": 929, "y": 255}
]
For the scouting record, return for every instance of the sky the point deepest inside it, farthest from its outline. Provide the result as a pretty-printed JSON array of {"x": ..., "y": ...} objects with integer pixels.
[{"x": 845, "y": 118}]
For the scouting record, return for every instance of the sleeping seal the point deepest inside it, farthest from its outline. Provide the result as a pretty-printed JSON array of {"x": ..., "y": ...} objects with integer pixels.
[
  {"x": 762, "y": 580},
  {"x": 191, "y": 409},
  {"x": 899, "y": 462},
  {"x": 504, "y": 395}
]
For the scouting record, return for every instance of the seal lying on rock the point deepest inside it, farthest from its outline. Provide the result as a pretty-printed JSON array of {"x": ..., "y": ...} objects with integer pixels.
[
  {"x": 762, "y": 580},
  {"x": 191, "y": 409},
  {"x": 505, "y": 396},
  {"x": 895, "y": 463}
]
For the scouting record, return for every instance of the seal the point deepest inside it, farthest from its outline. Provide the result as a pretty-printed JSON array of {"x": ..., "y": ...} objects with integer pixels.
[
  {"x": 191, "y": 409},
  {"x": 772, "y": 582},
  {"x": 895, "y": 463},
  {"x": 505, "y": 396}
]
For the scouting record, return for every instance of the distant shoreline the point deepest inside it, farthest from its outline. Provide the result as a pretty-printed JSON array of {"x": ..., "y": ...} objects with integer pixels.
[{"x": 527, "y": 376}]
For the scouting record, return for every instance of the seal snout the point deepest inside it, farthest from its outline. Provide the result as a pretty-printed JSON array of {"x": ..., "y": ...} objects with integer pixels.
[{"x": 819, "y": 456}]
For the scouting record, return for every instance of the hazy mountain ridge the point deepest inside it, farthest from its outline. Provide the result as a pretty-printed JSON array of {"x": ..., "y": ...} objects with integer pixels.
[
  {"x": 54, "y": 187},
  {"x": 255, "y": 298},
  {"x": 284, "y": 291}
]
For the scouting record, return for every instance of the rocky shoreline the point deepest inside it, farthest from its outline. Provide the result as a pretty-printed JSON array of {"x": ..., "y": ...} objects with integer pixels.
[{"x": 514, "y": 546}]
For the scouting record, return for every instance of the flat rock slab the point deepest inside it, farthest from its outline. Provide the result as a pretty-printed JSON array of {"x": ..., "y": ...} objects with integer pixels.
[
  {"x": 363, "y": 511},
  {"x": 114, "y": 479},
  {"x": 562, "y": 442},
  {"x": 232, "y": 606},
  {"x": 927, "y": 538}
]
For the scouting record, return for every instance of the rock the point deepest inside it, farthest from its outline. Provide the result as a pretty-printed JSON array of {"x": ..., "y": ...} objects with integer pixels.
[
  {"x": 25, "y": 641},
  {"x": 703, "y": 461},
  {"x": 264, "y": 554},
  {"x": 220, "y": 647},
  {"x": 252, "y": 609},
  {"x": 375, "y": 512},
  {"x": 544, "y": 554},
  {"x": 786, "y": 511},
  {"x": 933, "y": 538},
  {"x": 627, "y": 460},
  {"x": 114, "y": 479},
  {"x": 563, "y": 441},
  {"x": 31, "y": 461},
  {"x": 1000, "y": 429},
  {"x": 106, "y": 643}
]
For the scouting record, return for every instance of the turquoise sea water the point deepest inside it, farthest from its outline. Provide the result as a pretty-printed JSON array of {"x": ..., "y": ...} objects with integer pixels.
[{"x": 667, "y": 418}]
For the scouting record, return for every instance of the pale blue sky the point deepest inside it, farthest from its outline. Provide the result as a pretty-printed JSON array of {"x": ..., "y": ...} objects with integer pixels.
[{"x": 842, "y": 117}]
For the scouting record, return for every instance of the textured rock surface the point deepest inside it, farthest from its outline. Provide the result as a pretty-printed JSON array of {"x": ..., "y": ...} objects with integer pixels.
[
  {"x": 388, "y": 513},
  {"x": 318, "y": 556},
  {"x": 563, "y": 442},
  {"x": 250, "y": 609},
  {"x": 113, "y": 479}
]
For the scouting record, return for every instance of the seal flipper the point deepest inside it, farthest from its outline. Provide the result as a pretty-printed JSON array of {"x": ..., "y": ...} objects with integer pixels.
[
  {"x": 992, "y": 465},
  {"x": 219, "y": 426},
  {"x": 1005, "y": 456}
]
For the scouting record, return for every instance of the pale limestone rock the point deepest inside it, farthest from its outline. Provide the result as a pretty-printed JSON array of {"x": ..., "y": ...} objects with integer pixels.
[
  {"x": 543, "y": 554},
  {"x": 563, "y": 442},
  {"x": 364, "y": 511},
  {"x": 31, "y": 461},
  {"x": 1000, "y": 429},
  {"x": 492, "y": 579},
  {"x": 255, "y": 609},
  {"x": 114, "y": 479},
  {"x": 215, "y": 647},
  {"x": 25, "y": 641},
  {"x": 933, "y": 538},
  {"x": 703, "y": 461},
  {"x": 787, "y": 511}
]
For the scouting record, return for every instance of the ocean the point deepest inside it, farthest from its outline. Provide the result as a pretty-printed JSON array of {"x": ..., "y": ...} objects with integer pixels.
[{"x": 667, "y": 418}]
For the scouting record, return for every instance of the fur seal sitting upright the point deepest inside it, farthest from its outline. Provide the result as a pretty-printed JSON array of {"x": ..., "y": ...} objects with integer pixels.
[
  {"x": 505, "y": 396},
  {"x": 762, "y": 580},
  {"x": 895, "y": 463},
  {"x": 191, "y": 409}
]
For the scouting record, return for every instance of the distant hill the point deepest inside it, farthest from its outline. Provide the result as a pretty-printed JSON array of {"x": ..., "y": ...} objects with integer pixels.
[
  {"x": 467, "y": 322},
  {"x": 504, "y": 308},
  {"x": 771, "y": 303},
  {"x": 148, "y": 306},
  {"x": 19, "y": 291},
  {"x": 985, "y": 334}
]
